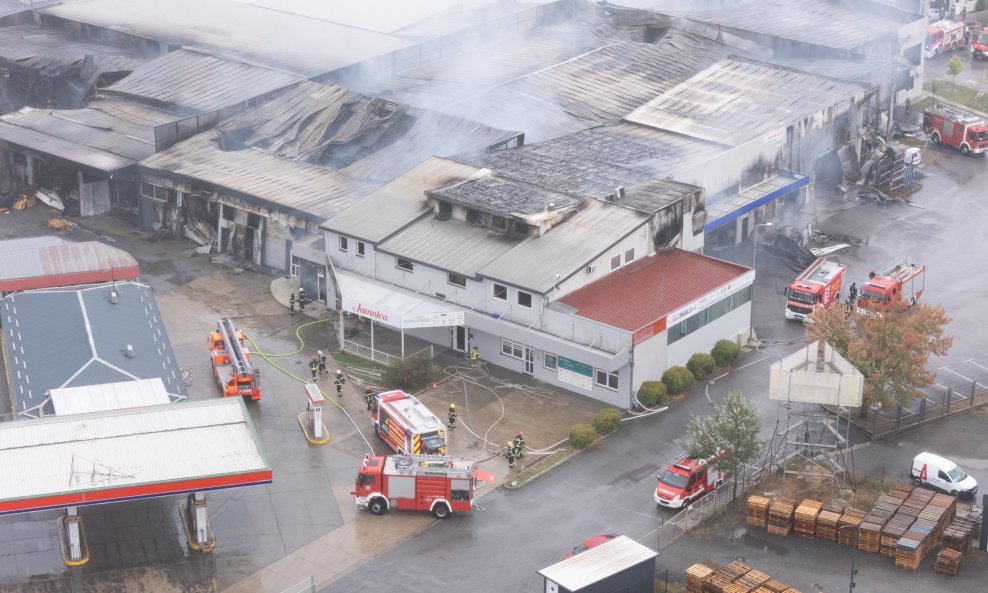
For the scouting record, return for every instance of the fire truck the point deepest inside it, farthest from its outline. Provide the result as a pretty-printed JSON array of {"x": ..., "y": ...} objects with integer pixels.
[
  {"x": 943, "y": 35},
  {"x": 899, "y": 281},
  {"x": 818, "y": 287},
  {"x": 434, "y": 483},
  {"x": 686, "y": 480},
  {"x": 979, "y": 45},
  {"x": 407, "y": 425},
  {"x": 954, "y": 127},
  {"x": 231, "y": 362}
]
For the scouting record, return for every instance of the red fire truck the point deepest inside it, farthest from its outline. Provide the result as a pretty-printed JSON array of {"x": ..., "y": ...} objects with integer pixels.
[
  {"x": 685, "y": 480},
  {"x": 434, "y": 483},
  {"x": 943, "y": 35},
  {"x": 979, "y": 45},
  {"x": 897, "y": 282},
  {"x": 954, "y": 127},
  {"x": 407, "y": 425},
  {"x": 817, "y": 287},
  {"x": 231, "y": 362}
]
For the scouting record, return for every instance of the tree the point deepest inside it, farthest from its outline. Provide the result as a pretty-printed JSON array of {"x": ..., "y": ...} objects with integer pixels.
[
  {"x": 891, "y": 350},
  {"x": 934, "y": 87},
  {"x": 954, "y": 67},
  {"x": 732, "y": 428}
]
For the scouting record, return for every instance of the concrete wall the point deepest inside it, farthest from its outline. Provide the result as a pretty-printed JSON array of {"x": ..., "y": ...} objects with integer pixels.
[
  {"x": 650, "y": 359},
  {"x": 640, "y": 240},
  {"x": 734, "y": 325}
]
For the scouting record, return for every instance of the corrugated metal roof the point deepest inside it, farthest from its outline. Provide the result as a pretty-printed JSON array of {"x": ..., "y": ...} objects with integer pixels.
[
  {"x": 200, "y": 82},
  {"x": 597, "y": 563},
  {"x": 565, "y": 248},
  {"x": 51, "y": 51},
  {"x": 653, "y": 196},
  {"x": 19, "y": 243},
  {"x": 8, "y": 7},
  {"x": 391, "y": 207},
  {"x": 383, "y": 16},
  {"x": 737, "y": 100},
  {"x": 47, "y": 265},
  {"x": 70, "y": 338},
  {"x": 647, "y": 290},
  {"x": 311, "y": 191},
  {"x": 452, "y": 245},
  {"x": 504, "y": 196},
  {"x": 124, "y": 454},
  {"x": 109, "y": 396},
  {"x": 275, "y": 38}
]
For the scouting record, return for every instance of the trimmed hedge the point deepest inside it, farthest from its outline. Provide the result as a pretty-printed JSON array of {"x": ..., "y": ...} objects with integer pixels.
[
  {"x": 677, "y": 379},
  {"x": 607, "y": 420},
  {"x": 410, "y": 374},
  {"x": 582, "y": 436},
  {"x": 701, "y": 365},
  {"x": 725, "y": 352},
  {"x": 652, "y": 393}
]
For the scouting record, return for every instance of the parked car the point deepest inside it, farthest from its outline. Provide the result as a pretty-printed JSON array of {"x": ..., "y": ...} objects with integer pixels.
[
  {"x": 942, "y": 474},
  {"x": 593, "y": 542}
]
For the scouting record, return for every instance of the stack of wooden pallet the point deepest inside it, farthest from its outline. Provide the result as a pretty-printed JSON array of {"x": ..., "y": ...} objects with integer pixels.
[
  {"x": 774, "y": 586},
  {"x": 698, "y": 574},
  {"x": 752, "y": 580},
  {"x": 909, "y": 550},
  {"x": 780, "y": 516},
  {"x": 848, "y": 525},
  {"x": 869, "y": 535},
  {"x": 897, "y": 526},
  {"x": 826, "y": 522},
  {"x": 805, "y": 515},
  {"x": 974, "y": 515},
  {"x": 716, "y": 583},
  {"x": 756, "y": 511},
  {"x": 948, "y": 502},
  {"x": 735, "y": 570},
  {"x": 957, "y": 535},
  {"x": 949, "y": 561}
]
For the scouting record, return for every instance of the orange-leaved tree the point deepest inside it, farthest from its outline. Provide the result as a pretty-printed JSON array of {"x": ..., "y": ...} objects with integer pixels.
[{"x": 890, "y": 349}]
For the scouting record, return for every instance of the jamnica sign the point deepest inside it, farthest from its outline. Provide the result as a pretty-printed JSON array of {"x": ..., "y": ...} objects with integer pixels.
[{"x": 371, "y": 313}]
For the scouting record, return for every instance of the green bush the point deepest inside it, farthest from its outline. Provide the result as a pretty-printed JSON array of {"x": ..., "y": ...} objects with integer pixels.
[
  {"x": 582, "y": 436},
  {"x": 677, "y": 379},
  {"x": 410, "y": 374},
  {"x": 701, "y": 365},
  {"x": 652, "y": 393},
  {"x": 607, "y": 420},
  {"x": 725, "y": 352}
]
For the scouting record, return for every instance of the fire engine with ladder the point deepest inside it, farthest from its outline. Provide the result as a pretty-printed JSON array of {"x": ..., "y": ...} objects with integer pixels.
[
  {"x": 818, "y": 287},
  {"x": 686, "y": 480},
  {"x": 231, "y": 362},
  {"x": 899, "y": 281},
  {"x": 954, "y": 127},
  {"x": 407, "y": 425},
  {"x": 434, "y": 483},
  {"x": 944, "y": 35}
]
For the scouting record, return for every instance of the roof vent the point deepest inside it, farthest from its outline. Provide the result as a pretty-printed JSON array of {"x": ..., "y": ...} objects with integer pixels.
[
  {"x": 130, "y": 351},
  {"x": 617, "y": 194}
]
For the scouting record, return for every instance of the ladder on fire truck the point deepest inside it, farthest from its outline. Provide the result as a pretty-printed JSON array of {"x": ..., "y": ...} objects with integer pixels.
[
  {"x": 434, "y": 464},
  {"x": 896, "y": 270},
  {"x": 234, "y": 347}
]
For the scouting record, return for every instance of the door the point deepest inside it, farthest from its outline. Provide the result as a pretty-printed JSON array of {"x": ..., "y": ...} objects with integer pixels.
[
  {"x": 529, "y": 361},
  {"x": 321, "y": 286},
  {"x": 458, "y": 338}
]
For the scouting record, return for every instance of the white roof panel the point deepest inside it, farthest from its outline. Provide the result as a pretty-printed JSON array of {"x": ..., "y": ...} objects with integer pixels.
[
  {"x": 595, "y": 564},
  {"x": 109, "y": 396}
]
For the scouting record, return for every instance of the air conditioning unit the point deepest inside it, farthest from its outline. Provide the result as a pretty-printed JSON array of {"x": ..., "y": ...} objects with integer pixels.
[{"x": 590, "y": 269}]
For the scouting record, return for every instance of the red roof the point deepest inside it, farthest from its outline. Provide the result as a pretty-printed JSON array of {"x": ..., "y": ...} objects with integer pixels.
[
  {"x": 647, "y": 290},
  {"x": 40, "y": 263}
]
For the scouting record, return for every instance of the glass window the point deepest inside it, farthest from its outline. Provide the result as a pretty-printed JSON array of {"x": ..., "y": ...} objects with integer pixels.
[
  {"x": 343, "y": 243},
  {"x": 524, "y": 299},
  {"x": 608, "y": 380},
  {"x": 404, "y": 264},
  {"x": 629, "y": 256},
  {"x": 501, "y": 292},
  {"x": 456, "y": 280},
  {"x": 512, "y": 349},
  {"x": 549, "y": 361},
  {"x": 360, "y": 249},
  {"x": 615, "y": 262}
]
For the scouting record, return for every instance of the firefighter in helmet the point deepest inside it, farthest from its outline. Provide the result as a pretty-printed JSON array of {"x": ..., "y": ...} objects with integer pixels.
[
  {"x": 301, "y": 298},
  {"x": 340, "y": 380},
  {"x": 369, "y": 396},
  {"x": 322, "y": 363},
  {"x": 314, "y": 366},
  {"x": 519, "y": 445},
  {"x": 509, "y": 453},
  {"x": 291, "y": 304},
  {"x": 451, "y": 416}
]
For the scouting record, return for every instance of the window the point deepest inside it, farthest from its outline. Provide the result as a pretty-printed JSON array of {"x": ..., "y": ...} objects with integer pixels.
[
  {"x": 512, "y": 349},
  {"x": 360, "y": 249},
  {"x": 708, "y": 315},
  {"x": 445, "y": 208},
  {"x": 155, "y": 192},
  {"x": 501, "y": 292},
  {"x": 500, "y": 223},
  {"x": 404, "y": 264},
  {"x": 524, "y": 299},
  {"x": 456, "y": 280},
  {"x": 549, "y": 361},
  {"x": 296, "y": 267},
  {"x": 343, "y": 243},
  {"x": 608, "y": 380},
  {"x": 615, "y": 262},
  {"x": 629, "y": 255},
  {"x": 473, "y": 216}
]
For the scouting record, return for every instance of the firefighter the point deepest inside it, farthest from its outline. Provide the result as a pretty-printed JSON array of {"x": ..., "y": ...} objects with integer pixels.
[
  {"x": 519, "y": 445},
  {"x": 291, "y": 304},
  {"x": 369, "y": 396},
  {"x": 852, "y": 293},
  {"x": 340, "y": 380},
  {"x": 322, "y": 364},
  {"x": 452, "y": 416},
  {"x": 301, "y": 298},
  {"x": 474, "y": 354},
  {"x": 314, "y": 367},
  {"x": 509, "y": 453}
]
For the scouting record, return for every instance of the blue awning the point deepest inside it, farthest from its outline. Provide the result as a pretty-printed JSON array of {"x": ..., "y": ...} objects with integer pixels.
[{"x": 747, "y": 200}]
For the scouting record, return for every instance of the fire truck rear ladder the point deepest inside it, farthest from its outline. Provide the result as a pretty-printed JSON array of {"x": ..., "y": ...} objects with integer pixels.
[
  {"x": 432, "y": 464},
  {"x": 237, "y": 355}
]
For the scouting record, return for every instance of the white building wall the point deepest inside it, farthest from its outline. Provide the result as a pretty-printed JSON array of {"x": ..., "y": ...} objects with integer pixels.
[
  {"x": 650, "y": 360},
  {"x": 736, "y": 325},
  {"x": 640, "y": 241},
  {"x": 726, "y": 170}
]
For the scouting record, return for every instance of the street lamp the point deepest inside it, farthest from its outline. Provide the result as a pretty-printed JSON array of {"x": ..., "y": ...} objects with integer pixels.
[
  {"x": 754, "y": 241},
  {"x": 854, "y": 571}
]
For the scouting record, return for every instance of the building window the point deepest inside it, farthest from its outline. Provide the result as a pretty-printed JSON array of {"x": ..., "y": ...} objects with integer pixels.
[
  {"x": 524, "y": 299},
  {"x": 473, "y": 216},
  {"x": 404, "y": 264},
  {"x": 155, "y": 192},
  {"x": 512, "y": 349},
  {"x": 360, "y": 249},
  {"x": 709, "y": 315},
  {"x": 445, "y": 207},
  {"x": 629, "y": 255},
  {"x": 456, "y": 280},
  {"x": 500, "y": 223},
  {"x": 608, "y": 380},
  {"x": 343, "y": 243},
  {"x": 549, "y": 361},
  {"x": 616, "y": 262},
  {"x": 501, "y": 292},
  {"x": 295, "y": 267}
]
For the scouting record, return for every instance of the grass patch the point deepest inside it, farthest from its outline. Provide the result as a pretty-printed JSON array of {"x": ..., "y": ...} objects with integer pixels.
[
  {"x": 866, "y": 491},
  {"x": 543, "y": 465},
  {"x": 368, "y": 371},
  {"x": 958, "y": 94}
]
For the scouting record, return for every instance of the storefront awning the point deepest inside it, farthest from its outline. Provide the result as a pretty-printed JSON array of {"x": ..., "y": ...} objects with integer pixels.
[
  {"x": 734, "y": 207},
  {"x": 393, "y": 306}
]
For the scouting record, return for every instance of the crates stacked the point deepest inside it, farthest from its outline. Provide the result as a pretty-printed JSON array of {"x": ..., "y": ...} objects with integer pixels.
[
  {"x": 974, "y": 514},
  {"x": 949, "y": 561},
  {"x": 909, "y": 550},
  {"x": 756, "y": 511},
  {"x": 948, "y": 503},
  {"x": 826, "y": 521},
  {"x": 735, "y": 570},
  {"x": 900, "y": 490},
  {"x": 869, "y": 535},
  {"x": 736, "y": 577},
  {"x": 805, "y": 517},
  {"x": 774, "y": 586},
  {"x": 780, "y": 515},
  {"x": 848, "y": 525},
  {"x": 897, "y": 526},
  {"x": 716, "y": 583},
  {"x": 752, "y": 580},
  {"x": 698, "y": 574},
  {"x": 957, "y": 535}
]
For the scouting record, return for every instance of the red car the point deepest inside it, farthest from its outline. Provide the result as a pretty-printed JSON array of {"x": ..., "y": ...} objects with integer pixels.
[{"x": 593, "y": 542}]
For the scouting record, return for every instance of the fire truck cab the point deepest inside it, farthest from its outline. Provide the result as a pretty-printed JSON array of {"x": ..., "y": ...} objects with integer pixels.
[
  {"x": 943, "y": 35},
  {"x": 686, "y": 480},
  {"x": 979, "y": 44},
  {"x": 899, "y": 281},
  {"x": 434, "y": 483},
  {"x": 818, "y": 287},
  {"x": 951, "y": 126}
]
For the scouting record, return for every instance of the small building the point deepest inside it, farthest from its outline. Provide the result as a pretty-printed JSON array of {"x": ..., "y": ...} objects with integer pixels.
[
  {"x": 620, "y": 564},
  {"x": 49, "y": 261}
]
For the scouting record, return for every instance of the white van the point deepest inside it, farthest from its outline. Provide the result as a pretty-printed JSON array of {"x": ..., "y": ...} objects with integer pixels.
[{"x": 942, "y": 474}]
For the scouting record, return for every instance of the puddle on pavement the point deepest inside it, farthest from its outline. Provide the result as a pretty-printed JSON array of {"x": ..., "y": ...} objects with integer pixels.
[{"x": 753, "y": 540}]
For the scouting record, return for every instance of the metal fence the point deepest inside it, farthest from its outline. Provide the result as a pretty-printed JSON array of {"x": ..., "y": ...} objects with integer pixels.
[{"x": 366, "y": 352}]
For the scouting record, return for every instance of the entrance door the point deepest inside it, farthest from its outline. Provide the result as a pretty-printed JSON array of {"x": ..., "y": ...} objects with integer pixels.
[
  {"x": 529, "y": 361},
  {"x": 458, "y": 338},
  {"x": 321, "y": 286}
]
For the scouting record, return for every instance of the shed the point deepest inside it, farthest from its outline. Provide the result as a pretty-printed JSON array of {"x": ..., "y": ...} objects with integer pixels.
[{"x": 621, "y": 564}]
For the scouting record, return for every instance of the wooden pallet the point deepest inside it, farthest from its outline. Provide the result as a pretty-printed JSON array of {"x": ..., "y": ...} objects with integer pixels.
[
  {"x": 716, "y": 583},
  {"x": 753, "y": 579},
  {"x": 847, "y": 526},
  {"x": 949, "y": 561},
  {"x": 780, "y": 514},
  {"x": 869, "y": 537},
  {"x": 805, "y": 517},
  {"x": 735, "y": 570},
  {"x": 774, "y": 586},
  {"x": 826, "y": 525},
  {"x": 897, "y": 526},
  {"x": 697, "y": 574},
  {"x": 756, "y": 511},
  {"x": 909, "y": 550}
]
